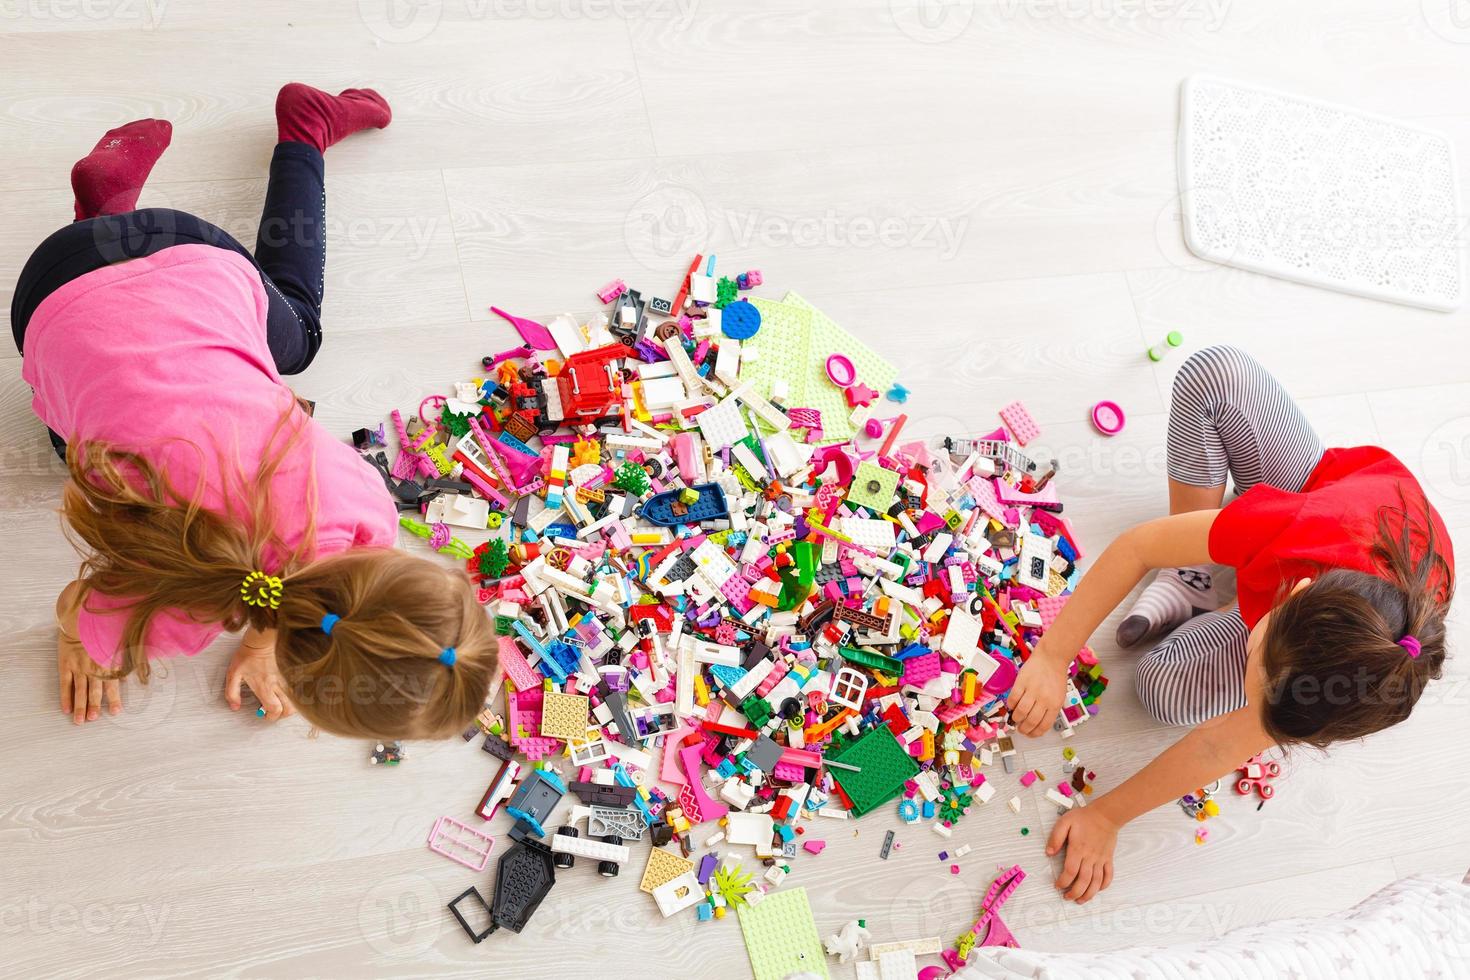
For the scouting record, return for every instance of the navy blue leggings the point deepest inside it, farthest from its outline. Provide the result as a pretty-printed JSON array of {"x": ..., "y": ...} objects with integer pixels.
[{"x": 290, "y": 252}]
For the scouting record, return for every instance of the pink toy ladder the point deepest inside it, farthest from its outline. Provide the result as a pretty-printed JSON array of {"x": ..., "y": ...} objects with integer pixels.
[{"x": 988, "y": 929}]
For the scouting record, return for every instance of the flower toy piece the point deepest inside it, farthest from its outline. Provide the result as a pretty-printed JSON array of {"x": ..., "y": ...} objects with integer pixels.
[{"x": 1257, "y": 773}]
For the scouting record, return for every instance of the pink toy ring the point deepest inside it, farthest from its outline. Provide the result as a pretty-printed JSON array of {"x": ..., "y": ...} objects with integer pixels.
[
  {"x": 1107, "y": 418},
  {"x": 840, "y": 370}
]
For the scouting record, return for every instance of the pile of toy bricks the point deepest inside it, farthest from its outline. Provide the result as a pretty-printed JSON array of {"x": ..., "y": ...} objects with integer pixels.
[{"x": 715, "y": 622}]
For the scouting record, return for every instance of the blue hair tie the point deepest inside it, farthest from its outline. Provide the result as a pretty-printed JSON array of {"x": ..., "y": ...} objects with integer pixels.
[
  {"x": 328, "y": 621},
  {"x": 446, "y": 656}
]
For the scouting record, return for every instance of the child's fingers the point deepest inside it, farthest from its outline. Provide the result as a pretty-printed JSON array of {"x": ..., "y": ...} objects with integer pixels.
[
  {"x": 1018, "y": 706},
  {"x": 78, "y": 698},
  {"x": 232, "y": 688},
  {"x": 94, "y": 698},
  {"x": 270, "y": 702},
  {"x": 1093, "y": 887},
  {"x": 1107, "y": 872},
  {"x": 1057, "y": 839},
  {"x": 1017, "y": 698},
  {"x": 1080, "y": 883},
  {"x": 287, "y": 708},
  {"x": 1030, "y": 718},
  {"x": 66, "y": 682},
  {"x": 1070, "y": 869},
  {"x": 113, "y": 690}
]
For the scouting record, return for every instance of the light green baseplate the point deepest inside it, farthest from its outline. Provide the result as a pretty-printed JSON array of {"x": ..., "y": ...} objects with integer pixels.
[
  {"x": 794, "y": 341},
  {"x": 781, "y": 937}
]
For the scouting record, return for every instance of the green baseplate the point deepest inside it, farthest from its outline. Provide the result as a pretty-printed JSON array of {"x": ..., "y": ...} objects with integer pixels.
[
  {"x": 793, "y": 332},
  {"x": 885, "y": 766},
  {"x": 781, "y": 937}
]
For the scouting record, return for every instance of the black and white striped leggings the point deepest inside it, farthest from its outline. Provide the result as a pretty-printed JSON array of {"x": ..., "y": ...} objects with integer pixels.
[{"x": 1228, "y": 415}]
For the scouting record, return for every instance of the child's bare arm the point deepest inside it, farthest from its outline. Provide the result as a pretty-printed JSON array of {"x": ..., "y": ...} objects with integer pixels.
[
  {"x": 1182, "y": 539},
  {"x": 1210, "y": 751},
  {"x": 1213, "y": 749}
]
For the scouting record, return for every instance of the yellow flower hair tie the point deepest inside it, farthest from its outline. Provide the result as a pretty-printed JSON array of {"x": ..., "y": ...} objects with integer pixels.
[{"x": 260, "y": 589}]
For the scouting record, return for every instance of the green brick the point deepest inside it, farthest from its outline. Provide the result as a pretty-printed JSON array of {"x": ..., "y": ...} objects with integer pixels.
[{"x": 871, "y": 660}]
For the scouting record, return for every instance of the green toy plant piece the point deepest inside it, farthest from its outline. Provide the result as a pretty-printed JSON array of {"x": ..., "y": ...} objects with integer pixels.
[
  {"x": 632, "y": 478},
  {"x": 495, "y": 558},
  {"x": 725, "y": 292},
  {"x": 458, "y": 425},
  {"x": 732, "y": 884}
]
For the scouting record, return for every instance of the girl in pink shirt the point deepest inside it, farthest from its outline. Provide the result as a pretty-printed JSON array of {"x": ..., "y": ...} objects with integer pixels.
[{"x": 203, "y": 496}]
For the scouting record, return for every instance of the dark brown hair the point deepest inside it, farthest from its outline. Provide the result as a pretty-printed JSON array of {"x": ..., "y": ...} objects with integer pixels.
[
  {"x": 378, "y": 675},
  {"x": 1334, "y": 667}
]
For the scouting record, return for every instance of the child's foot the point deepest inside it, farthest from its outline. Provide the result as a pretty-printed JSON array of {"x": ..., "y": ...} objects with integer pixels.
[
  {"x": 309, "y": 115},
  {"x": 1173, "y": 597},
  {"x": 109, "y": 179}
]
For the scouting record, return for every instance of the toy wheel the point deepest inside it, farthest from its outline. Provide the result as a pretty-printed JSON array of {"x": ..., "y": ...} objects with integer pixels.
[
  {"x": 1243, "y": 787},
  {"x": 1266, "y": 791},
  {"x": 559, "y": 558}
]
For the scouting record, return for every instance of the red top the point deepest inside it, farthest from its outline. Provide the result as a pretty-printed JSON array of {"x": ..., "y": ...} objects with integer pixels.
[{"x": 1274, "y": 537}]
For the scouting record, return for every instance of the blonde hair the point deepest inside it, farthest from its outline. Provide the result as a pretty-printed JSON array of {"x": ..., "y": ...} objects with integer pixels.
[{"x": 378, "y": 674}]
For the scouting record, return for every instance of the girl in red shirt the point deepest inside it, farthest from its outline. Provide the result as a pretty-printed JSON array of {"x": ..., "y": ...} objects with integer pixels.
[{"x": 1344, "y": 576}]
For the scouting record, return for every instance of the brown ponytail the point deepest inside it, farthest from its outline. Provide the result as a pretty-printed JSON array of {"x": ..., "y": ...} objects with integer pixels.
[
  {"x": 378, "y": 674},
  {"x": 1335, "y": 666}
]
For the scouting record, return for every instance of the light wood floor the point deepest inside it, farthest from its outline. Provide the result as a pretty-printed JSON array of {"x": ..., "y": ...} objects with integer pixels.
[{"x": 1023, "y": 159}]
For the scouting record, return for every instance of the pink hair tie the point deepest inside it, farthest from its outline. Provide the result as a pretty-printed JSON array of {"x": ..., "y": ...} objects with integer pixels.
[{"x": 1411, "y": 644}]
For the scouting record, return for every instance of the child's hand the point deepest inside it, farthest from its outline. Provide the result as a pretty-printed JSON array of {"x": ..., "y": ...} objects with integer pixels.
[
  {"x": 254, "y": 665},
  {"x": 1089, "y": 837},
  {"x": 1037, "y": 694},
  {"x": 82, "y": 691}
]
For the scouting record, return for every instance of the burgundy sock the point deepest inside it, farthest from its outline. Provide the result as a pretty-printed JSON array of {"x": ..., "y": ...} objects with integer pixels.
[
  {"x": 109, "y": 179},
  {"x": 309, "y": 115}
]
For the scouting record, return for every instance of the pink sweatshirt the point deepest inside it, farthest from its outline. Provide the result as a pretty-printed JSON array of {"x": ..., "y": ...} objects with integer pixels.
[{"x": 166, "y": 356}]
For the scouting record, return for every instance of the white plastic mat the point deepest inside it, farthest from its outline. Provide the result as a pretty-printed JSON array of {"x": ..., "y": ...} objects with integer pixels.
[{"x": 1320, "y": 194}]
